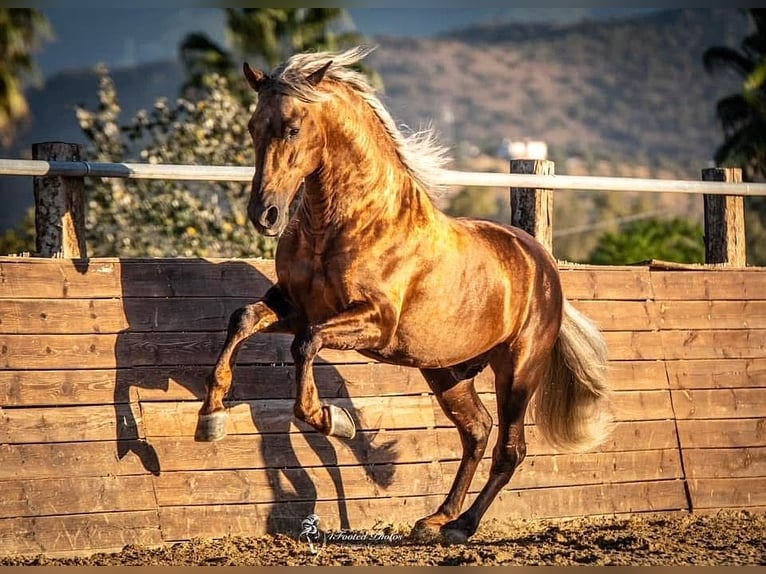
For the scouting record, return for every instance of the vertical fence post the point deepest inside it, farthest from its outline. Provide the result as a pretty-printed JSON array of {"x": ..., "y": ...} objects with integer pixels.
[
  {"x": 724, "y": 220},
  {"x": 532, "y": 209},
  {"x": 59, "y": 205}
]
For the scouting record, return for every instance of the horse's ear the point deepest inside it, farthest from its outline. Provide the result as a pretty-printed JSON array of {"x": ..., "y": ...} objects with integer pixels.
[
  {"x": 315, "y": 77},
  {"x": 255, "y": 78}
]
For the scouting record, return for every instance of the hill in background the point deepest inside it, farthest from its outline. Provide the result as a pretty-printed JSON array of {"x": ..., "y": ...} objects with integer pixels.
[{"x": 631, "y": 91}]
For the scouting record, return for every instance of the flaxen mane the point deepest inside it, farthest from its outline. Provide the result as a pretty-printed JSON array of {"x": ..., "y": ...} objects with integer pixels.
[{"x": 419, "y": 151}]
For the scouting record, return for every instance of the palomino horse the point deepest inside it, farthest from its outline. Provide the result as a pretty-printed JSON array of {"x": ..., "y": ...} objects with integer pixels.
[{"x": 368, "y": 263}]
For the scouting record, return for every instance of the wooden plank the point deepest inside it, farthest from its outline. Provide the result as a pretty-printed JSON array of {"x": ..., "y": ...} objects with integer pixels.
[
  {"x": 637, "y": 375},
  {"x": 349, "y": 482},
  {"x": 248, "y": 278},
  {"x": 22, "y": 277},
  {"x": 131, "y": 349},
  {"x": 267, "y": 382},
  {"x": 72, "y": 459},
  {"x": 727, "y": 492},
  {"x": 174, "y": 383},
  {"x": 634, "y": 345},
  {"x": 717, "y": 373},
  {"x": 58, "y": 351},
  {"x": 79, "y": 495},
  {"x": 719, "y": 403},
  {"x": 725, "y": 462},
  {"x": 299, "y": 484},
  {"x": 544, "y": 471},
  {"x": 32, "y": 278},
  {"x": 184, "y": 522},
  {"x": 620, "y": 315},
  {"x": 642, "y": 405},
  {"x": 84, "y": 316},
  {"x": 724, "y": 433},
  {"x": 371, "y": 447},
  {"x": 589, "y": 500},
  {"x": 343, "y": 380},
  {"x": 714, "y": 344},
  {"x": 615, "y": 283},
  {"x": 163, "y": 419},
  {"x": 727, "y": 285},
  {"x": 712, "y": 314},
  {"x": 86, "y": 533},
  {"x": 46, "y": 388},
  {"x": 135, "y": 349},
  {"x": 276, "y": 415},
  {"x": 69, "y": 424},
  {"x": 281, "y": 450},
  {"x": 23, "y": 316}
]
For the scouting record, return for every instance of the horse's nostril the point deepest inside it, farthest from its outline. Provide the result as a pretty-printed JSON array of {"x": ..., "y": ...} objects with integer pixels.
[{"x": 270, "y": 216}]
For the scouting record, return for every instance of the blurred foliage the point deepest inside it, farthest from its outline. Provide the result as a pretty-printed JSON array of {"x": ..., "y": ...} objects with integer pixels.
[
  {"x": 21, "y": 32},
  {"x": 481, "y": 202},
  {"x": 20, "y": 239},
  {"x": 159, "y": 218},
  {"x": 678, "y": 240}
]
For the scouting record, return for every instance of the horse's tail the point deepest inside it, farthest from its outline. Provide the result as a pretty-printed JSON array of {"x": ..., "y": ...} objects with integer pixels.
[{"x": 572, "y": 405}]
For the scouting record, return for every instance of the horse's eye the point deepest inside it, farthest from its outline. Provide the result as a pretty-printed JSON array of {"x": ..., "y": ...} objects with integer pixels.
[{"x": 292, "y": 132}]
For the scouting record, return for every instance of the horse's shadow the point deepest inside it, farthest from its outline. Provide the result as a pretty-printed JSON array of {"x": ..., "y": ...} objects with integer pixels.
[{"x": 293, "y": 488}]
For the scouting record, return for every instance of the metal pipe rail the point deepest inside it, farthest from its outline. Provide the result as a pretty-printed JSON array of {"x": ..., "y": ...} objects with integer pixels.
[{"x": 448, "y": 178}]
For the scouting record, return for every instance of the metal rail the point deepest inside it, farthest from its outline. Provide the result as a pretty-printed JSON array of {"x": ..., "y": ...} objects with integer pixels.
[{"x": 448, "y": 178}]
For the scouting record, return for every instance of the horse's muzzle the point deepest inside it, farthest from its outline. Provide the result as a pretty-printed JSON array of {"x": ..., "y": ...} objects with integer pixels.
[{"x": 268, "y": 220}]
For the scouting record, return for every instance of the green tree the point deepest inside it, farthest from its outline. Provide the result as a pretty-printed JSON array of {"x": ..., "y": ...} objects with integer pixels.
[
  {"x": 480, "y": 202},
  {"x": 743, "y": 119},
  {"x": 678, "y": 240},
  {"x": 159, "y": 218},
  {"x": 20, "y": 239},
  {"x": 21, "y": 33},
  {"x": 743, "y": 115},
  {"x": 267, "y": 36}
]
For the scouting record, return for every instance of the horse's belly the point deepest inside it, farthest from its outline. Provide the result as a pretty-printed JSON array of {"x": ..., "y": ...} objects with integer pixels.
[{"x": 437, "y": 346}]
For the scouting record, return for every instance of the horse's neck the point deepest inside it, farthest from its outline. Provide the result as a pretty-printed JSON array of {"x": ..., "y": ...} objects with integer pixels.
[{"x": 359, "y": 186}]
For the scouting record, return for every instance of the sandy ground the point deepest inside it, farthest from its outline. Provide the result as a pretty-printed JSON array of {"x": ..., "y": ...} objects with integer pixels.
[{"x": 726, "y": 538}]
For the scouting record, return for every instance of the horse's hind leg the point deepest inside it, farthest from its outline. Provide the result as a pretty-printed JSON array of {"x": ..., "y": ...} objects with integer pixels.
[
  {"x": 464, "y": 408},
  {"x": 243, "y": 323},
  {"x": 517, "y": 375}
]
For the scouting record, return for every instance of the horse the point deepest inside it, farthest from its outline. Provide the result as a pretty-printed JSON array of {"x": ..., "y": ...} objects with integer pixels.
[{"x": 367, "y": 262}]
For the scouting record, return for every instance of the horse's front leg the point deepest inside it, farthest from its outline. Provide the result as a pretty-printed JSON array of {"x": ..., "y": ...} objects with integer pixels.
[
  {"x": 273, "y": 313},
  {"x": 362, "y": 326}
]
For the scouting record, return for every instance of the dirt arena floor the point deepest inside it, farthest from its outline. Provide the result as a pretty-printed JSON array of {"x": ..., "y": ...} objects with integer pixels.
[{"x": 726, "y": 538}]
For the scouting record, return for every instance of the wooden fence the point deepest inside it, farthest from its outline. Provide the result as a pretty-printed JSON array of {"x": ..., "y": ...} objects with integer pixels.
[{"x": 102, "y": 368}]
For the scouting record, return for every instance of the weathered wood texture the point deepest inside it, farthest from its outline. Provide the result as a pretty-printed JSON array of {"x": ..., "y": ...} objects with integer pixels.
[
  {"x": 532, "y": 209},
  {"x": 59, "y": 205},
  {"x": 724, "y": 220},
  {"x": 103, "y": 365}
]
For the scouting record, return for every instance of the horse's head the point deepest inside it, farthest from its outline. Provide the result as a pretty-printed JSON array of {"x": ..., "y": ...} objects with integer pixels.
[{"x": 288, "y": 147}]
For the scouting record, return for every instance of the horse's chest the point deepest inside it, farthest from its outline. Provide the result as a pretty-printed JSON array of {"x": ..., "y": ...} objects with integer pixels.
[{"x": 311, "y": 288}]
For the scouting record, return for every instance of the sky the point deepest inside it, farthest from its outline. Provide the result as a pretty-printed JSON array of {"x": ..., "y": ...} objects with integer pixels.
[{"x": 128, "y": 36}]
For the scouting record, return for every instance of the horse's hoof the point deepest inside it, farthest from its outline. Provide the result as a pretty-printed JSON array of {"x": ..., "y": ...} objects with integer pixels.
[
  {"x": 211, "y": 427},
  {"x": 341, "y": 423},
  {"x": 424, "y": 533},
  {"x": 451, "y": 536}
]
